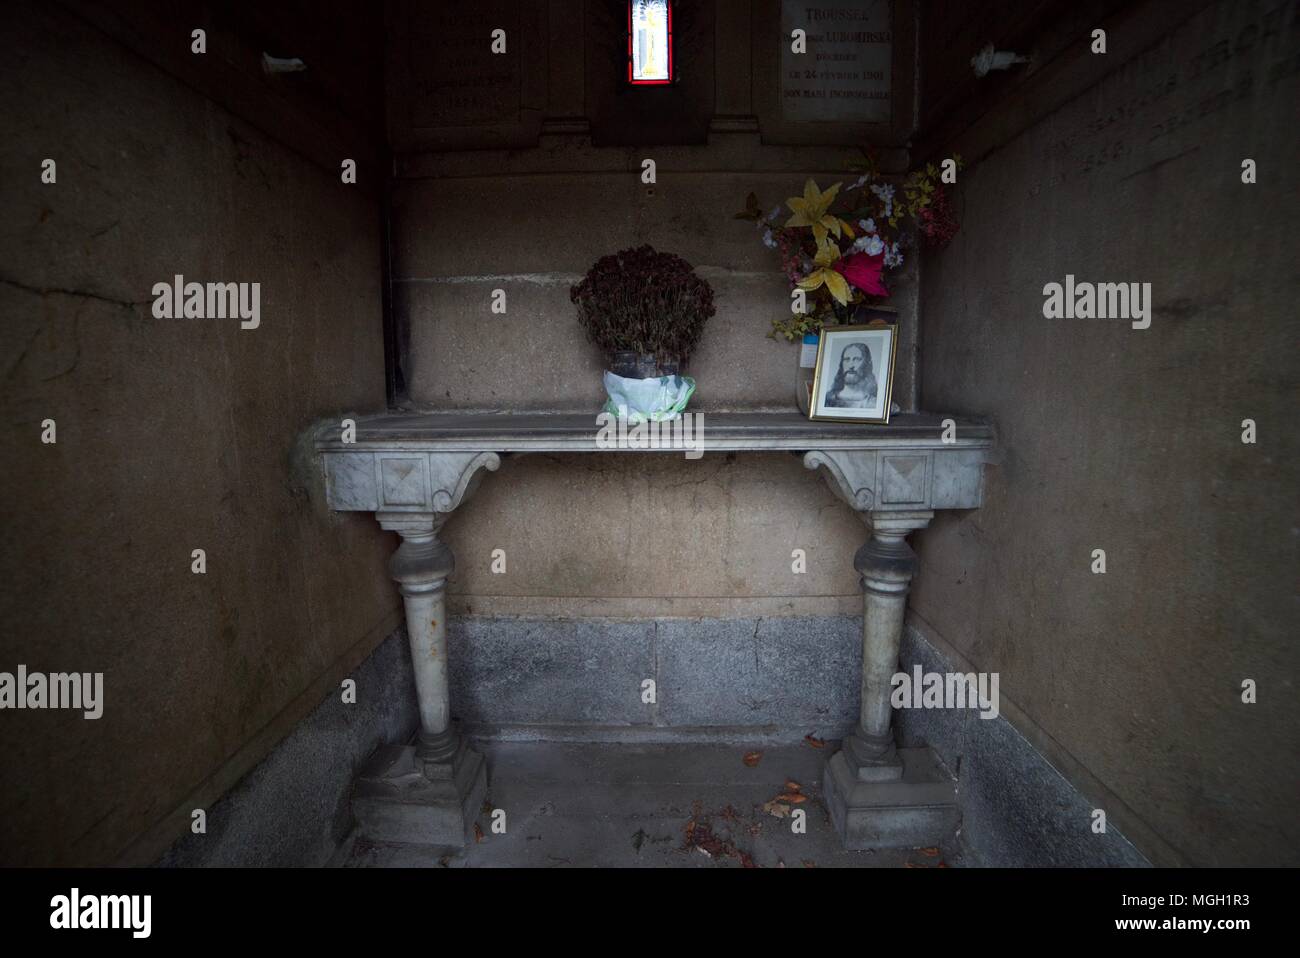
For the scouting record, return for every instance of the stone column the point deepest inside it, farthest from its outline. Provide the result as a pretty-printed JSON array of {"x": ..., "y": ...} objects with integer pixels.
[
  {"x": 886, "y": 564},
  {"x": 881, "y": 796},
  {"x": 420, "y": 566},
  {"x": 428, "y": 792},
  {"x": 733, "y": 107},
  {"x": 566, "y": 86}
]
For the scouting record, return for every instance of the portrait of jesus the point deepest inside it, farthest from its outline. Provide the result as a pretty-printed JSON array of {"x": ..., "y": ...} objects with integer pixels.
[
  {"x": 855, "y": 384},
  {"x": 854, "y": 373}
]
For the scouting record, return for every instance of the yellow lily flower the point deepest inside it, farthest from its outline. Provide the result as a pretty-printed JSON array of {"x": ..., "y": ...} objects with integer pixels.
[
  {"x": 811, "y": 210},
  {"x": 825, "y": 274}
]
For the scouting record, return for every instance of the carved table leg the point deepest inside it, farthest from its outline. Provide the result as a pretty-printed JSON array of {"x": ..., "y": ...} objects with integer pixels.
[
  {"x": 429, "y": 792},
  {"x": 420, "y": 567},
  {"x": 887, "y": 565},
  {"x": 881, "y": 796}
]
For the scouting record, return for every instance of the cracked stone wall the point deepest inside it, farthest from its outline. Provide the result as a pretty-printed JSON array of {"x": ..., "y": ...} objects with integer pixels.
[{"x": 172, "y": 435}]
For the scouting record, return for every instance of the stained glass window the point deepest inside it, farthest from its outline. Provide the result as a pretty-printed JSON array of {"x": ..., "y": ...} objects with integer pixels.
[{"x": 649, "y": 42}]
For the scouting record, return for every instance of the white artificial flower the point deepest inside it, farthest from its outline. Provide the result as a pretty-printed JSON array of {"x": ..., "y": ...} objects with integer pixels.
[
  {"x": 871, "y": 245},
  {"x": 857, "y": 184},
  {"x": 893, "y": 257},
  {"x": 768, "y": 241},
  {"x": 776, "y": 211},
  {"x": 886, "y": 193},
  {"x": 868, "y": 225}
]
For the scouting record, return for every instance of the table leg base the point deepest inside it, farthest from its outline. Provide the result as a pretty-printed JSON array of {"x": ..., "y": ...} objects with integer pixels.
[
  {"x": 400, "y": 798},
  {"x": 918, "y": 810}
]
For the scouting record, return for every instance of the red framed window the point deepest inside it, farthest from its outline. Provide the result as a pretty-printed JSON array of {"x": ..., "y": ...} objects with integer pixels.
[{"x": 649, "y": 42}]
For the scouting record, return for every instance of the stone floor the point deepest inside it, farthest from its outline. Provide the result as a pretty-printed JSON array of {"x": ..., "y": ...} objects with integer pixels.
[{"x": 678, "y": 806}]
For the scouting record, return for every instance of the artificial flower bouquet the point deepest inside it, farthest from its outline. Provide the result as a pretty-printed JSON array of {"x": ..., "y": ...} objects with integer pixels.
[{"x": 837, "y": 245}]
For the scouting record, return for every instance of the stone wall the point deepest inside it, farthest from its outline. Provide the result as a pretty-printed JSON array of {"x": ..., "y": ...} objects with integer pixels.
[
  {"x": 1129, "y": 440},
  {"x": 172, "y": 435}
]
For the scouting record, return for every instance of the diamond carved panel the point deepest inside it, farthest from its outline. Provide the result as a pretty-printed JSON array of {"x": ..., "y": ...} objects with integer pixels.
[
  {"x": 402, "y": 481},
  {"x": 904, "y": 479}
]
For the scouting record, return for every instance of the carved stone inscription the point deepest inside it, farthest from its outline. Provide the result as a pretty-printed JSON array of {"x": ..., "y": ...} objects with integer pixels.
[
  {"x": 1166, "y": 104},
  {"x": 844, "y": 76},
  {"x": 458, "y": 80}
]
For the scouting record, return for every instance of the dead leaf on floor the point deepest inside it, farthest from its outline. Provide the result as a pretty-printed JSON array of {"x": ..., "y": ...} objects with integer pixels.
[
  {"x": 753, "y": 758},
  {"x": 478, "y": 833},
  {"x": 794, "y": 798},
  {"x": 792, "y": 786},
  {"x": 779, "y": 809},
  {"x": 929, "y": 852},
  {"x": 943, "y": 865},
  {"x": 699, "y": 835},
  {"x": 809, "y": 863},
  {"x": 814, "y": 741}
]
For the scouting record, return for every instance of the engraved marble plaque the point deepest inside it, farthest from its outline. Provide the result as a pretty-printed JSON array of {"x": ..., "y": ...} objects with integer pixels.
[
  {"x": 845, "y": 75},
  {"x": 459, "y": 81}
]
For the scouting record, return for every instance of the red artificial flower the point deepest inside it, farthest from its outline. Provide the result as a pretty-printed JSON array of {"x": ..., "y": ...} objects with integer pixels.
[
  {"x": 863, "y": 271},
  {"x": 938, "y": 221}
]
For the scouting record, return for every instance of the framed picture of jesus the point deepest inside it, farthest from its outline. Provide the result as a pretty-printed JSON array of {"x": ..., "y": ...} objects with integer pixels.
[{"x": 855, "y": 373}]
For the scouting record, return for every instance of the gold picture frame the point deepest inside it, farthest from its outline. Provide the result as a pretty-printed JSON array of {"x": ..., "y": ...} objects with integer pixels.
[{"x": 827, "y": 407}]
